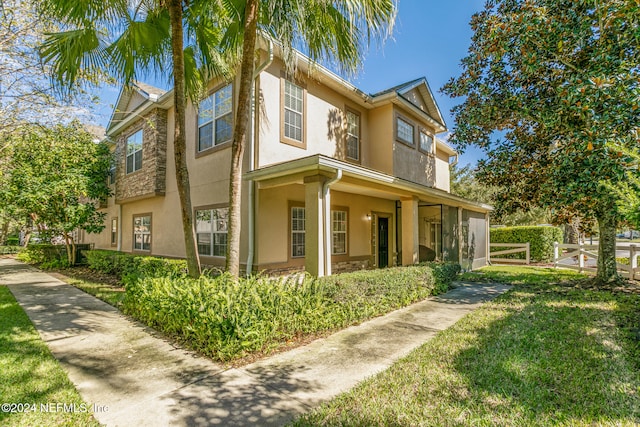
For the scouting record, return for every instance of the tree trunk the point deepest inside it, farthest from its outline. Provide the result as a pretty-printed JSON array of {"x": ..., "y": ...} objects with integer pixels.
[
  {"x": 572, "y": 231},
  {"x": 607, "y": 270},
  {"x": 240, "y": 136},
  {"x": 179, "y": 140},
  {"x": 4, "y": 232}
]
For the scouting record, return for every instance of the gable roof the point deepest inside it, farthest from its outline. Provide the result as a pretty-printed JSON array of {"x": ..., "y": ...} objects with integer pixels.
[
  {"x": 122, "y": 111},
  {"x": 402, "y": 91}
]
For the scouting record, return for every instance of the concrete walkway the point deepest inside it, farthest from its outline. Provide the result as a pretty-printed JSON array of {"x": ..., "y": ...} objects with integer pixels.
[{"x": 134, "y": 377}]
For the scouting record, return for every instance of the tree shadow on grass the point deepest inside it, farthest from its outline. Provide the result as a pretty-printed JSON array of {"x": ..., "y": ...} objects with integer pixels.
[{"x": 555, "y": 361}]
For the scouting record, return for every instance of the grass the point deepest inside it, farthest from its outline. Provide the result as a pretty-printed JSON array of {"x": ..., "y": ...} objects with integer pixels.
[
  {"x": 108, "y": 293},
  {"x": 545, "y": 353},
  {"x": 30, "y": 375}
]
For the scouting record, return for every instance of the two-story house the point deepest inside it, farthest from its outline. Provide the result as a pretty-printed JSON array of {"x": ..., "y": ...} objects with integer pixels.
[{"x": 334, "y": 179}]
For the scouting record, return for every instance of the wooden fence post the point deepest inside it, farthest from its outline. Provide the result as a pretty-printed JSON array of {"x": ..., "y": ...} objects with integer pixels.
[
  {"x": 633, "y": 261},
  {"x": 528, "y": 253},
  {"x": 556, "y": 254},
  {"x": 581, "y": 257}
]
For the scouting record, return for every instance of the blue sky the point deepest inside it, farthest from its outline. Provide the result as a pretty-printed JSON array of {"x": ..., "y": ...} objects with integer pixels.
[{"x": 430, "y": 39}]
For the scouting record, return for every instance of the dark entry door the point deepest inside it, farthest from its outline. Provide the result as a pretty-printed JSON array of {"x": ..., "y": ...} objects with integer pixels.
[{"x": 383, "y": 242}]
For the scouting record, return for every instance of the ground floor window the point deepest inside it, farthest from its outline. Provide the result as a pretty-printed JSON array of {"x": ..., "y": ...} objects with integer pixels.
[
  {"x": 142, "y": 232},
  {"x": 114, "y": 231},
  {"x": 297, "y": 232},
  {"x": 211, "y": 231},
  {"x": 338, "y": 232}
]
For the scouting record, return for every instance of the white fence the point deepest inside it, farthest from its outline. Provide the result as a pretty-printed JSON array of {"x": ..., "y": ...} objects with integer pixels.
[
  {"x": 584, "y": 258},
  {"x": 516, "y": 248}
]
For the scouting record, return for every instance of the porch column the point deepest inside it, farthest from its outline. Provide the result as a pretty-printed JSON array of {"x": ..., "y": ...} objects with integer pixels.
[
  {"x": 410, "y": 236},
  {"x": 314, "y": 230}
]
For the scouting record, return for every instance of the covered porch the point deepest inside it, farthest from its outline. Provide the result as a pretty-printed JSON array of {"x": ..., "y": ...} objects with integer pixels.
[{"x": 323, "y": 215}]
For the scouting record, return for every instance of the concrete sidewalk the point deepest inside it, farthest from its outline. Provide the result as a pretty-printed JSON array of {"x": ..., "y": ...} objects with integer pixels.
[{"x": 137, "y": 378}]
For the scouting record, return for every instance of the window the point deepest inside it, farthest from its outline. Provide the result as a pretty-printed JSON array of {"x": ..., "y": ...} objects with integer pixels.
[
  {"x": 404, "y": 131},
  {"x": 293, "y": 126},
  {"x": 114, "y": 231},
  {"x": 112, "y": 170},
  {"x": 142, "y": 233},
  {"x": 297, "y": 232},
  {"x": 426, "y": 142},
  {"x": 353, "y": 135},
  {"x": 134, "y": 152},
  {"x": 338, "y": 232},
  {"x": 215, "y": 119},
  {"x": 211, "y": 231}
]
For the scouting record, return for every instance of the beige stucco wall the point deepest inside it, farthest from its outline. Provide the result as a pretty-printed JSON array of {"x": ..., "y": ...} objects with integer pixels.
[
  {"x": 381, "y": 136},
  {"x": 442, "y": 171},
  {"x": 324, "y": 126}
]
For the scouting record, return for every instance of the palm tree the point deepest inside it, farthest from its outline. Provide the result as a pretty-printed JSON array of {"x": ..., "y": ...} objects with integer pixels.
[
  {"x": 334, "y": 31},
  {"x": 130, "y": 39}
]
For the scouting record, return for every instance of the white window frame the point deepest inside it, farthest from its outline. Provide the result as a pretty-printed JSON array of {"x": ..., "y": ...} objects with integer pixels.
[
  {"x": 400, "y": 137},
  {"x": 134, "y": 140},
  {"x": 335, "y": 232},
  {"x": 429, "y": 138},
  {"x": 298, "y": 244},
  {"x": 142, "y": 233},
  {"x": 213, "y": 110},
  {"x": 353, "y": 135},
  {"x": 217, "y": 227},
  {"x": 293, "y": 105}
]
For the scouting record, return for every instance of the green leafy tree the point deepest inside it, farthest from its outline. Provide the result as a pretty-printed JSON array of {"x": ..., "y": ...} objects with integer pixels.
[
  {"x": 129, "y": 40},
  {"x": 56, "y": 176},
  {"x": 552, "y": 93},
  {"x": 333, "y": 31},
  {"x": 26, "y": 92},
  {"x": 628, "y": 192}
]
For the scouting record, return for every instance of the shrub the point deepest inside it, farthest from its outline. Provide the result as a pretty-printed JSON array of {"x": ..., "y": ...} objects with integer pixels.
[
  {"x": 4, "y": 250},
  {"x": 227, "y": 318},
  {"x": 13, "y": 241},
  {"x": 130, "y": 268},
  {"x": 540, "y": 238},
  {"x": 47, "y": 255}
]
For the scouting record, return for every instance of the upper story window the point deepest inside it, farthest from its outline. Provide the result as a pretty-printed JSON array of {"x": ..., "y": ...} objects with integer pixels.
[
  {"x": 134, "y": 151},
  {"x": 426, "y": 142},
  {"x": 405, "y": 131},
  {"x": 292, "y": 113},
  {"x": 215, "y": 119},
  {"x": 211, "y": 231},
  {"x": 353, "y": 135}
]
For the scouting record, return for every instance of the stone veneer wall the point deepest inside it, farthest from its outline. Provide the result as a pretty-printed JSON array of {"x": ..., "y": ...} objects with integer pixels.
[{"x": 150, "y": 180}]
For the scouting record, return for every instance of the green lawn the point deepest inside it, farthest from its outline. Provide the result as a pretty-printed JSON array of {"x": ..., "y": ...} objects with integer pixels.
[
  {"x": 545, "y": 353},
  {"x": 31, "y": 380}
]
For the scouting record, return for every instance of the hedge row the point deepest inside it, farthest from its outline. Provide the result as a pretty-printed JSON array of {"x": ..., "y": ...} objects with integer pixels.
[
  {"x": 4, "y": 250},
  {"x": 540, "y": 238},
  {"x": 227, "y": 318},
  {"x": 129, "y": 268}
]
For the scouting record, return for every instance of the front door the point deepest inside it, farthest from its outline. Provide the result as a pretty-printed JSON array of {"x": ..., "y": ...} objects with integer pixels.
[{"x": 383, "y": 242}]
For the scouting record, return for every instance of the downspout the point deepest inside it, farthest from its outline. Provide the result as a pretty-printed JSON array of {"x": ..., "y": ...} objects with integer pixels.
[
  {"x": 326, "y": 200},
  {"x": 252, "y": 161}
]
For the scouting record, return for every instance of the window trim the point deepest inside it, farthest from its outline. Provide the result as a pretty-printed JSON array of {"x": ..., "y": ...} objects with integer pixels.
[
  {"x": 433, "y": 141},
  {"x": 126, "y": 151},
  {"x": 226, "y": 144},
  {"x": 345, "y": 254},
  {"x": 205, "y": 208},
  {"x": 114, "y": 242},
  {"x": 410, "y": 123},
  {"x": 284, "y": 139},
  {"x": 293, "y": 206},
  {"x": 346, "y": 135},
  {"x": 133, "y": 232}
]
